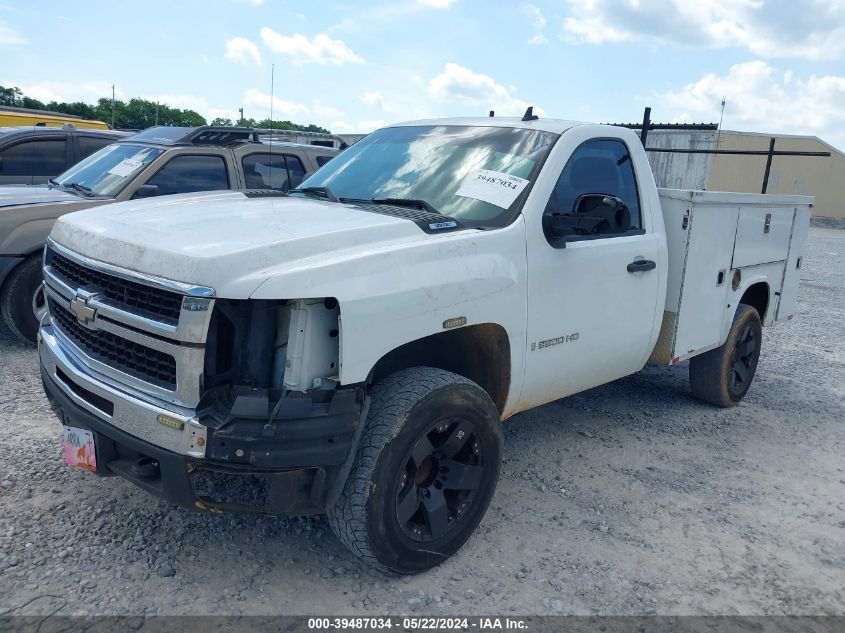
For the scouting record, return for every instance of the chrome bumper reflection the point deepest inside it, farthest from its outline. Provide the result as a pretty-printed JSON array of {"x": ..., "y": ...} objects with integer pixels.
[{"x": 134, "y": 412}]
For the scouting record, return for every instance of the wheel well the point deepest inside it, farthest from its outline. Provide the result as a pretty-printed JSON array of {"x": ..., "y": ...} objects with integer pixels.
[
  {"x": 757, "y": 296},
  {"x": 481, "y": 353}
]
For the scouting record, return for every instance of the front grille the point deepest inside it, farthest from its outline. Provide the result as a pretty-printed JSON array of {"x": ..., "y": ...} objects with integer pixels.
[
  {"x": 127, "y": 356},
  {"x": 155, "y": 303}
]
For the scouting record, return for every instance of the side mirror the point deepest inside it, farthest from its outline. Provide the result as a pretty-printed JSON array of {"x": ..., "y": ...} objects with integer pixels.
[
  {"x": 146, "y": 191},
  {"x": 614, "y": 213},
  {"x": 592, "y": 214}
]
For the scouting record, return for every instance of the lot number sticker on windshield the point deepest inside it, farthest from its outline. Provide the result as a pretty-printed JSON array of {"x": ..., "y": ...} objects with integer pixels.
[
  {"x": 494, "y": 187},
  {"x": 125, "y": 167}
]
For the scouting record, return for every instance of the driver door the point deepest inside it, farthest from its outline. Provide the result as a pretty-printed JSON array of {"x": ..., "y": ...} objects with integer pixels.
[{"x": 591, "y": 316}]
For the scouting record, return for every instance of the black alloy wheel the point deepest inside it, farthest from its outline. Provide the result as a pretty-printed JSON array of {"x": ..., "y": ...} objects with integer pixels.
[
  {"x": 743, "y": 360},
  {"x": 437, "y": 486},
  {"x": 424, "y": 472}
]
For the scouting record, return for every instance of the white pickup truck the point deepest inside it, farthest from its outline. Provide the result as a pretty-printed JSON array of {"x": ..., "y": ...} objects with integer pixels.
[{"x": 351, "y": 347}]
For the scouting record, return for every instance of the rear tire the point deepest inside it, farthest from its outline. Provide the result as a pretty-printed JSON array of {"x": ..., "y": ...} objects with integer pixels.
[
  {"x": 17, "y": 299},
  {"x": 424, "y": 472},
  {"x": 723, "y": 376}
]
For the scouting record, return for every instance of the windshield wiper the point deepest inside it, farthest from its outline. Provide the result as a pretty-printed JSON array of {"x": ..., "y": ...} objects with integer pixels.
[
  {"x": 407, "y": 202},
  {"x": 52, "y": 181},
  {"x": 323, "y": 191},
  {"x": 75, "y": 185}
]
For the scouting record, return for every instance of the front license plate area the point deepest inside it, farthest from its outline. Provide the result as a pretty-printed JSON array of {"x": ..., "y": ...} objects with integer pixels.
[{"x": 79, "y": 448}]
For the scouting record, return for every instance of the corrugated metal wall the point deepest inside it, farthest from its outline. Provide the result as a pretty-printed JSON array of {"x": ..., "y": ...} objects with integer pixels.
[
  {"x": 814, "y": 176},
  {"x": 680, "y": 171}
]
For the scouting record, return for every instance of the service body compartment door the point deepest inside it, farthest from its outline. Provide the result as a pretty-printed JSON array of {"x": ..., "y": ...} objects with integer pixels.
[
  {"x": 762, "y": 235},
  {"x": 792, "y": 271},
  {"x": 706, "y": 279}
]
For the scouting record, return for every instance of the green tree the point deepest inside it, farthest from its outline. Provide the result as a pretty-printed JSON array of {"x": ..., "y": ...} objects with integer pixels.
[
  {"x": 10, "y": 96},
  {"x": 137, "y": 114},
  {"x": 288, "y": 125}
]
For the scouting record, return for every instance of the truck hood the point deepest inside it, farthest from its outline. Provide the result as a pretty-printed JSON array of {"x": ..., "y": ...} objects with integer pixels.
[
  {"x": 227, "y": 240},
  {"x": 23, "y": 195}
]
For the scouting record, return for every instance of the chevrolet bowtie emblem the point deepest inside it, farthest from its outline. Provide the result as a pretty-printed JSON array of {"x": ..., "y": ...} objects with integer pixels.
[{"x": 84, "y": 313}]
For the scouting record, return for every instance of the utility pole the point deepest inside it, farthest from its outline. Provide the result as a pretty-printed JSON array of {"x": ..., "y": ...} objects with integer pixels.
[
  {"x": 241, "y": 120},
  {"x": 156, "y": 112},
  {"x": 112, "y": 106}
]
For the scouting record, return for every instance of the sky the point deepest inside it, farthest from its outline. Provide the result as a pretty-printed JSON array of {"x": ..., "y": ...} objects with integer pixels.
[{"x": 356, "y": 66}]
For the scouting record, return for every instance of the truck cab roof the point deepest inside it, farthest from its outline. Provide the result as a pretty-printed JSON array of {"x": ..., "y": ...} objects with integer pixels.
[{"x": 556, "y": 126}]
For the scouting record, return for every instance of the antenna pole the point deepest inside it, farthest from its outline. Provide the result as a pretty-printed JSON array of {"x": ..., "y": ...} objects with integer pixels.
[
  {"x": 272, "y": 82},
  {"x": 270, "y": 138},
  {"x": 721, "y": 118}
]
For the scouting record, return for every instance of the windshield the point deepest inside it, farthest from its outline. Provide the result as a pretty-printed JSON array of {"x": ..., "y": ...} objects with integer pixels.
[
  {"x": 107, "y": 172},
  {"x": 475, "y": 174}
]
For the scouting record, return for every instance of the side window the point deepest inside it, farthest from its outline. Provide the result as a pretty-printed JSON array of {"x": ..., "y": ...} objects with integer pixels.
[
  {"x": 34, "y": 158},
  {"x": 90, "y": 144},
  {"x": 265, "y": 171},
  {"x": 185, "y": 174},
  {"x": 296, "y": 171},
  {"x": 601, "y": 166},
  {"x": 322, "y": 160}
]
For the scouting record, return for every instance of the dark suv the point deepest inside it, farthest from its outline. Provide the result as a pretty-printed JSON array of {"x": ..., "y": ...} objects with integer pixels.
[{"x": 33, "y": 155}]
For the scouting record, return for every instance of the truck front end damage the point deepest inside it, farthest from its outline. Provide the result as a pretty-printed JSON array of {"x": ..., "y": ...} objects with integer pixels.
[{"x": 210, "y": 403}]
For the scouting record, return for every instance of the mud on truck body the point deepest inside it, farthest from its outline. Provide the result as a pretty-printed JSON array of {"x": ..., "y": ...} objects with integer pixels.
[{"x": 352, "y": 348}]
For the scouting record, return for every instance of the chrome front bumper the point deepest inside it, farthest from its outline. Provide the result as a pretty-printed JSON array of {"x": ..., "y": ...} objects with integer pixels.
[{"x": 162, "y": 424}]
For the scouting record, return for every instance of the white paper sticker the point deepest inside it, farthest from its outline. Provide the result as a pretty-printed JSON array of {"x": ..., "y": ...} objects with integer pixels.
[
  {"x": 125, "y": 167},
  {"x": 494, "y": 187}
]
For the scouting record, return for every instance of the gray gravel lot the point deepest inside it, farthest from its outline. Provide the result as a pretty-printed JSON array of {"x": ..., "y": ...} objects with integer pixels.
[{"x": 631, "y": 498}]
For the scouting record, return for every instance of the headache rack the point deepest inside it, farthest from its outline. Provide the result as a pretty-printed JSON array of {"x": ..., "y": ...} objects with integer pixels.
[{"x": 202, "y": 135}]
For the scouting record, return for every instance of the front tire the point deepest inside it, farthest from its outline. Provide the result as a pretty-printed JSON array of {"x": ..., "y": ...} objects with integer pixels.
[
  {"x": 18, "y": 298},
  {"x": 723, "y": 376},
  {"x": 424, "y": 472}
]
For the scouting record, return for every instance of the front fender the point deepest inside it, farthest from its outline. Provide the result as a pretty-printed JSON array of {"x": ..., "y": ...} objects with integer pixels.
[{"x": 396, "y": 294}]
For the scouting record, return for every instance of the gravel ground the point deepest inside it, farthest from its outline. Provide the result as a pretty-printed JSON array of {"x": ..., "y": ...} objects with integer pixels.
[{"x": 631, "y": 498}]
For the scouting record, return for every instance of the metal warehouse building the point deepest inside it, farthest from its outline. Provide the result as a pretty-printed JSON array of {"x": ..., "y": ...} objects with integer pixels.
[{"x": 823, "y": 177}]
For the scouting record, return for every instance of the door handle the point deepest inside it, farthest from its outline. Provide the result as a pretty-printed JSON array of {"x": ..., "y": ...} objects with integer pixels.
[{"x": 641, "y": 265}]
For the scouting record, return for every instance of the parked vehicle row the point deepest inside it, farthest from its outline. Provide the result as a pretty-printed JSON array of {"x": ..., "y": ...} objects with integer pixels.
[
  {"x": 352, "y": 346},
  {"x": 13, "y": 116},
  {"x": 156, "y": 162},
  {"x": 33, "y": 155}
]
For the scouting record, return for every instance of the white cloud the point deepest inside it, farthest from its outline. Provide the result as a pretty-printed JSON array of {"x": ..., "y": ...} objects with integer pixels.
[
  {"x": 87, "y": 91},
  {"x": 255, "y": 3},
  {"x": 762, "y": 98},
  {"x": 321, "y": 50},
  {"x": 254, "y": 98},
  {"x": 812, "y": 29},
  {"x": 538, "y": 21},
  {"x": 458, "y": 84},
  {"x": 183, "y": 102},
  {"x": 222, "y": 113},
  {"x": 328, "y": 111},
  {"x": 240, "y": 49},
  {"x": 371, "y": 124},
  {"x": 437, "y": 4},
  {"x": 374, "y": 98},
  {"x": 10, "y": 37},
  {"x": 362, "y": 127}
]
